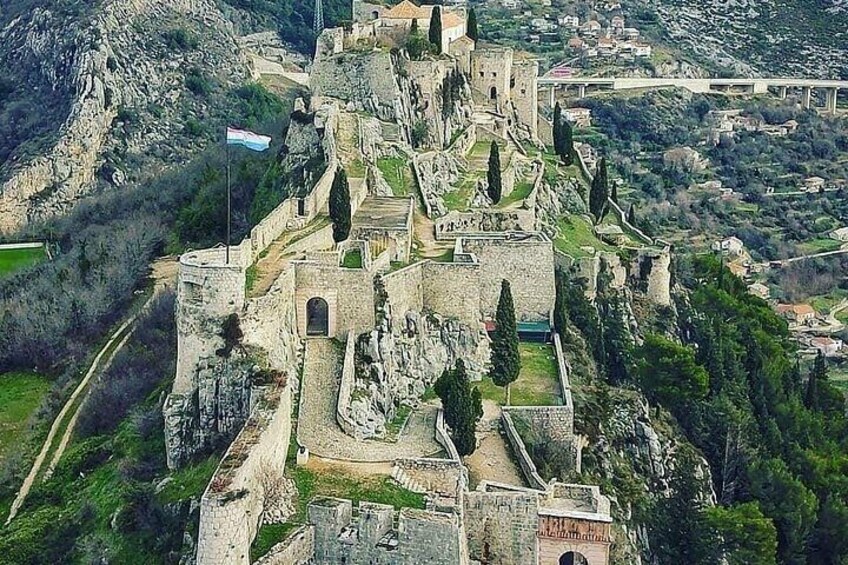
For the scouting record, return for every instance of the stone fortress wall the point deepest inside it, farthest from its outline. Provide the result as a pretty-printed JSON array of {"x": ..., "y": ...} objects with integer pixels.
[
  {"x": 421, "y": 536},
  {"x": 231, "y": 508}
]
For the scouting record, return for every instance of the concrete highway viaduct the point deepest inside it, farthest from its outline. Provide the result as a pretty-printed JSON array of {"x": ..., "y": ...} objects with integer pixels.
[{"x": 780, "y": 86}]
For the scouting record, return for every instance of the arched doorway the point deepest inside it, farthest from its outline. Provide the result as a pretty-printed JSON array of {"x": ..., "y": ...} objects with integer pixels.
[
  {"x": 317, "y": 317},
  {"x": 572, "y": 558},
  {"x": 493, "y": 93}
]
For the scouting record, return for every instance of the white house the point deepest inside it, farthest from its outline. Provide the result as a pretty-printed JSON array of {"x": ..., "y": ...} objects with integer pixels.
[
  {"x": 569, "y": 21},
  {"x": 827, "y": 346},
  {"x": 758, "y": 289},
  {"x": 729, "y": 246}
]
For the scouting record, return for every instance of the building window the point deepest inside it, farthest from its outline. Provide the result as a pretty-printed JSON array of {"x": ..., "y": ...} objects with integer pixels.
[
  {"x": 494, "y": 74},
  {"x": 482, "y": 74},
  {"x": 523, "y": 91}
]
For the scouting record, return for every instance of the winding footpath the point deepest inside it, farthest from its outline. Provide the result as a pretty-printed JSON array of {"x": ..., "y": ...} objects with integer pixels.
[
  {"x": 121, "y": 333},
  {"x": 164, "y": 275}
]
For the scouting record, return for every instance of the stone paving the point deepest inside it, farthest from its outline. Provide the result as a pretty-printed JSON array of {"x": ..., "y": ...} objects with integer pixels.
[{"x": 317, "y": 428}]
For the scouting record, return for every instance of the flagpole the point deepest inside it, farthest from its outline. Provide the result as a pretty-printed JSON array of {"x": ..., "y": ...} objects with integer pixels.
[{"x": 229, "y": 204}]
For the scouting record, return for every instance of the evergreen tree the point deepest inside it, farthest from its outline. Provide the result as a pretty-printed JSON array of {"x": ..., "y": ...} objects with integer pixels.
[
  {"x": 614, "y": 193},
  {"x": 599, "y": 192},
  {"x": 471, "y": 25},
  {"x": 435, "y": 32},
  {"x": 505, "y": 359},
  {"x": 679, "y": 522},
  {"x": 817, "y": 375},
  {"x": 631, "y": 215},
  {"x": 416, "y": 44},
  {"x": 493, "y": 175},
  {"x": 340, "y": 206},
  {"x": 567, "y": 136},
  {"x": 557, "y": 129},
  {"x": 462, "y": 405}
]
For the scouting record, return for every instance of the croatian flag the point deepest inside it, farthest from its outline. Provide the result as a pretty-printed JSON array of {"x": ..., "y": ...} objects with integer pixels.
[{"x": 244, "y": 138}]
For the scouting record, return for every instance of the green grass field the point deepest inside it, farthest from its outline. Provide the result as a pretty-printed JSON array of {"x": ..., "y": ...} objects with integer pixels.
[
  {"x": 575, "y": 232},
  {"x": 13, "y": 259},
  {"x": 20, "y": 396},
  {"x": 397, "y": 173},
  {"x": 537, "y": 383}
]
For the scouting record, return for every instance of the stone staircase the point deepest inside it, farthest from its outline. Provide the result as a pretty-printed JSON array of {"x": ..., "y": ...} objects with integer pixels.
[{"x": 407, "y": 482}]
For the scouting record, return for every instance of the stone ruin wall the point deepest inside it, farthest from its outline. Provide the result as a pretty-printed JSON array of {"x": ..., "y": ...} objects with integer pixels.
[
  {"x": 524, "y": 94},
  {"x": 527, "y": 265},
  {"x": 653, "y": 272},
  {"x": 297, "y": 549},
  {"x": 456, "y": 224},
  {"x": 422, "y": 536},
  {"x": 453, "y": 290},
  {"x": 232, "y": 506},
  {"x": 501, "y": 527},
  {"x": 351, "y": 290}
]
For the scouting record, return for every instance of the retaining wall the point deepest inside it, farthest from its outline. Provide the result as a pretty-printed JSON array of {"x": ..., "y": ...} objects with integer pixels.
[
  {"x": 231, "y": 507},
  {"x": 297, "y": 549},
  {"x": 346, "y": 389},
  {"x": 534, "y": 479}
]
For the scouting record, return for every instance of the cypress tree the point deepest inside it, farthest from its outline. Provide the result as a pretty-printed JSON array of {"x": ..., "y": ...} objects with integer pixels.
[
  {"x": 631, "y": 215},
  {"x": 567, "y": 141},
  {"x": 471, "y": 25},
  {"x": 505, "y": 359},
  {"x": 493, "y": 175},
  {"x": 435, "y": 32},
  {"x": 557, "y": 129},
  {"x": 599, "y": 192},
  {"x": 817, "y": 375},
  {"x": 340, "y": 206},
  {"x": 462, "y": 405},
  {"x": 614, "y": 193}
]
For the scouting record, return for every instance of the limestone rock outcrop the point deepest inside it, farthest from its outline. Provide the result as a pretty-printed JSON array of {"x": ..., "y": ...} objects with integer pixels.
[
  {"x": 124, "y": 90},
  {"x": 400, "y": 358}
]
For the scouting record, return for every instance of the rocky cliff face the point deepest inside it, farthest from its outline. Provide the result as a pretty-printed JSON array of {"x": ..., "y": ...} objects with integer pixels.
[
  {"x": 122, "y": 71},
  {"x": 404, "y": 355}
]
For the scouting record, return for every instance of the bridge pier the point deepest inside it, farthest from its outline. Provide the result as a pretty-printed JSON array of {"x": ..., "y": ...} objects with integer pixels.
[
  {"x": 830, "y": 100},
  {"x": 552, "y": 96},
  {"x": 781, "y": 92},
  {"x": 581, "y": 91},
  {"x": 806, "y": 97}
]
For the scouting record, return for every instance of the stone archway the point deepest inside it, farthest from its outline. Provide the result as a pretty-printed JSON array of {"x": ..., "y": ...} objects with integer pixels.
[
  {"x": 317, "y": 317},
  {"x": 573, "y": 558},
  {"x": 493, "y": 93}
]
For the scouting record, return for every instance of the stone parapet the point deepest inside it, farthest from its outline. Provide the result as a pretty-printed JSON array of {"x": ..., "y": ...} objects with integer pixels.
[
  {"x": 296, "y": 549},
  {"x": 346, "y": 389},
  {"x": 532, "y": 475}
]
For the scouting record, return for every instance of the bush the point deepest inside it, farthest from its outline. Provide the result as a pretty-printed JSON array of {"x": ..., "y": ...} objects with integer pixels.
[{"x": 145, "y": 361}]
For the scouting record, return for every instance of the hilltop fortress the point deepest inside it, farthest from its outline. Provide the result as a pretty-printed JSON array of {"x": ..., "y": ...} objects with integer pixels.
[{"x": 302, "y": 346}]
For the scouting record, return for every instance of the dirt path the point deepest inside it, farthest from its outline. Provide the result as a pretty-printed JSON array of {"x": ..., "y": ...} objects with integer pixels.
[
  {"x": 492, "y": 461},
  {"x": 164, "y": 273}
]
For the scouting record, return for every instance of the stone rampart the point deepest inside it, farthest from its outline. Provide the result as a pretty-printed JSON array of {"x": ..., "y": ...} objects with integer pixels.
[
  {"x": 232, "y": 505},
  {"x": 652, "y": 273},
  {"x": 404, "y": 289},
  {"x": 562, "y": 374},
  {"x": 528, "y": 468},
  {"x": 501, "y": 526},
  {"x": 443, "y": 477},
  {"x": 348, "y": 292},
  {"x": 365, "y": 80},
  {"x": 421, "y": 536},
  {"x": 527, "y": 264},
  {"x": 453, "y": 290},
  {"x": 346, "y": 389},
  {"x": 296, "y": 549}
]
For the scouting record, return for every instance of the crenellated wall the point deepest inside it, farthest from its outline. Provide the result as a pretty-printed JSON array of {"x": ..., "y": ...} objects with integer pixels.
[{"x": 421, "y": 536}]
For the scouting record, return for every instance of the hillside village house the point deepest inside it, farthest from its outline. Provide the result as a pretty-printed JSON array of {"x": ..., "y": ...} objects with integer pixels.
[
  {"x": 572, "y": 22},
  {"x": 580, "y": 117},
  {"x": 403, "y": 14},
  {"x": 813, "y": 184},
  {"x": 827, "y": 346},
  {"x": 760, "y": 290},
  {"x": 797, "y": 313},
  {"x": 729, "y": 246},
  {"x": 617, "y": 23}
]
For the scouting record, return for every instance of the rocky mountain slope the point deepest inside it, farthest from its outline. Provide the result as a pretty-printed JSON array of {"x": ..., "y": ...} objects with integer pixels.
[
  {"x": 98, "y": 94},
  {"x": 759, "y": 37}
]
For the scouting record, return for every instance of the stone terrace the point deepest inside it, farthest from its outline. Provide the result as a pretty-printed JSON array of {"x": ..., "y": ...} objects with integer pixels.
[{"x": 319, "y": 432}]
